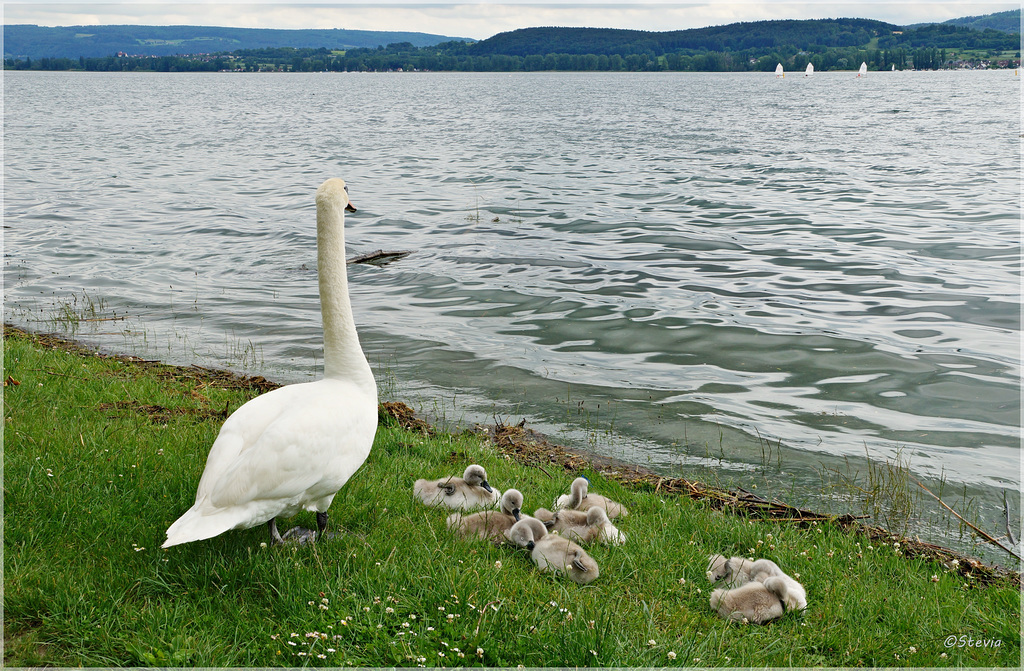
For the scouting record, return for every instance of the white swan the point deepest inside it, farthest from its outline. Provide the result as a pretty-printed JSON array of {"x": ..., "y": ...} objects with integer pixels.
[
  {"x": 466, "y": 493},
  {"x": 293, "y": 448},
  {"x": 579, "y": 499}
]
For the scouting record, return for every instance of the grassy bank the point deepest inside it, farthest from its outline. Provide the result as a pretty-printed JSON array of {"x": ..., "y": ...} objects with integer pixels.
[{"x": 101, "y": 455}]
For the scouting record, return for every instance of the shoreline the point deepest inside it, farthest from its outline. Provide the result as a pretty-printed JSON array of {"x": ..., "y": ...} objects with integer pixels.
[{"x": 534, "y": 450}]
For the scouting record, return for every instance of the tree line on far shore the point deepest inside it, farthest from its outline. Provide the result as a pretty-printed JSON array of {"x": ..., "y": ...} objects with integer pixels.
[
  {"x": 828, "y": 44},
  {"x": 396, "y": 58}
]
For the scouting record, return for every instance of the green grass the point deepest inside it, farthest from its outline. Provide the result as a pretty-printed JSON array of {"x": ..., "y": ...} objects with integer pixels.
[{"x": 101, "y": 455}]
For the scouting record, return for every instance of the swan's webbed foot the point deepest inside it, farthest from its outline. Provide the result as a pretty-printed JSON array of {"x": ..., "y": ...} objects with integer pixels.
[{"x": 300, "y": 535}]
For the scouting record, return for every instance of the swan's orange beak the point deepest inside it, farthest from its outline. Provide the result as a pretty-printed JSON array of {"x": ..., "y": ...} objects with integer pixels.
[{"x": 350, "y": 207}]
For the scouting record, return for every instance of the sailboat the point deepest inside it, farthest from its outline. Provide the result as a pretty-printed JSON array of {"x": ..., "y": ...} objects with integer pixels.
[
  {"x": 893, "y": 68},
  {"x": 778, "y": 71},
  {"x": 810, "y": 70},
  {"x": 863, "y": 70}
]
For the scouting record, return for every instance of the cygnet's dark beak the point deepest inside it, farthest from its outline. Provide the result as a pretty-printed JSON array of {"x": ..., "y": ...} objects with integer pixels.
[
  {"x": 486, "y": 486},
  {"x": 530, "y": 546},
  {"x": 350, "y": 207},
  {"x": 515, "y": 513}
]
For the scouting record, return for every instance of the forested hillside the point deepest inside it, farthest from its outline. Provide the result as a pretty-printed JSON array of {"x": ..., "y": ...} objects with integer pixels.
[
  {"x": 756, "y": 35},
  {"x": 828, "y": 44},
  {"x": 27, "y": 41},
  {"x": 1006, "y": 21}
]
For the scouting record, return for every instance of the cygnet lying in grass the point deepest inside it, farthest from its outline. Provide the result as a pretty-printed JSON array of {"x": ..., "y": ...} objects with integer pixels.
[
  {"x": 754, "y": 602},
  {"x": 489, "y": 524},
  {"x": 579, "y": 498},
  {"x": 466, "y": 493},
  {"x": 591, "y": 526},
  {"x": 737, "y": 571},
  {"x": 553, "y": 553}
]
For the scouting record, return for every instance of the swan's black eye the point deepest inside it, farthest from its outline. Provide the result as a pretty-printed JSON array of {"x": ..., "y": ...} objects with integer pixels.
[{"x": 346, "y": 188}]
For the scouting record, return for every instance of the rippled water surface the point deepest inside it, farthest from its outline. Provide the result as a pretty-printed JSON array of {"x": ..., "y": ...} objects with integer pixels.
[{"x": 676, "y": 269}]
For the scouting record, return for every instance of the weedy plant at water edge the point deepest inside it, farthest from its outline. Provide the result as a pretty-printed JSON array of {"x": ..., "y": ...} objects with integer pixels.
[{"x": 101, "y": 455}]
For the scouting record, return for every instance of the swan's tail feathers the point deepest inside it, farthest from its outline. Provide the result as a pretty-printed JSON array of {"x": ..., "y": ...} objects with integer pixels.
[{"x": 194, "y": 526}]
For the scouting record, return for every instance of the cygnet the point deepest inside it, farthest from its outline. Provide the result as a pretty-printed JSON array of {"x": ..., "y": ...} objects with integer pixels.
[
  {"x": 737, "y": 571},
  {"x": 792, "y": 593},
  {"x": 489, "y": 524},
  {"x": 466, "y": 493},
  {"x": 594, "y": 527},
  {"x": 551, "y": 552},
  {"x": 754, "y": 602},
  {"x": 579, "y": 498}
]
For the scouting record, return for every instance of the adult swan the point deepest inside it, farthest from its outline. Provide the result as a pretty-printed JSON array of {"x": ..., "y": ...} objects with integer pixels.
[{"x": 295, "y": 447}]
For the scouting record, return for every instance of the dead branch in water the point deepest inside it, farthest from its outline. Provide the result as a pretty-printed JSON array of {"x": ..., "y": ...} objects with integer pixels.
[
  {"x": 980, "y": 532},
  {"x": 380, "y": 257}
]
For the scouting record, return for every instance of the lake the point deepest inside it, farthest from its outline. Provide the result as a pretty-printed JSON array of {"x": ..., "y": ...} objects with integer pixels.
[{"x": 771, "y": 283}]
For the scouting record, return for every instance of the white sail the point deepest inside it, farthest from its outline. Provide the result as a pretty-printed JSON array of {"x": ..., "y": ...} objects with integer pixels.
[
  {"x": 893, "y": 69},
  {"x": 778, "y": 71},
  {"x": 810, "y": 70},
  {"x": 863, "y": 70}
]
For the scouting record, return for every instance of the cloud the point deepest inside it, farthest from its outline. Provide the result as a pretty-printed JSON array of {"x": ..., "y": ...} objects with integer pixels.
[{"x": 479, "y": 19}]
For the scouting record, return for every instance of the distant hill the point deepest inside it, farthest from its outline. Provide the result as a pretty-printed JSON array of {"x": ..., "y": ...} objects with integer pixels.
[
  {"x": 1008, "y": 22},
  {"x": 21, "y": 41},
  {"x": 801, "y": 34}
]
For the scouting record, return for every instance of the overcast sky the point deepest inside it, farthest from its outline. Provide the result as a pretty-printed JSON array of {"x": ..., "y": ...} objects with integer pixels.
[{"x": 479, "y": 19}]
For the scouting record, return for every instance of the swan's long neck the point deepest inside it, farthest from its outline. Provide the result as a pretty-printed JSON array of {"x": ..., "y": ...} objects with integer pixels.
[{"x": 343, "y": 356}]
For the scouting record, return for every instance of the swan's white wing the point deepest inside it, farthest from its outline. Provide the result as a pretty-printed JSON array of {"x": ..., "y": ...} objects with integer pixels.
[{"x": 300, "y": 441}]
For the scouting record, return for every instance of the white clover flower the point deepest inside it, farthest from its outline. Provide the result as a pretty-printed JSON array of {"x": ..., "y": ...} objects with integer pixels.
[
  {"x": 652, "y": 642},
  {"x": 671, "y": 655},
  {"x": 479, "y": 652},
  {"x": 497, "y": 564},
  {"x": 912, "y": 649}
]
